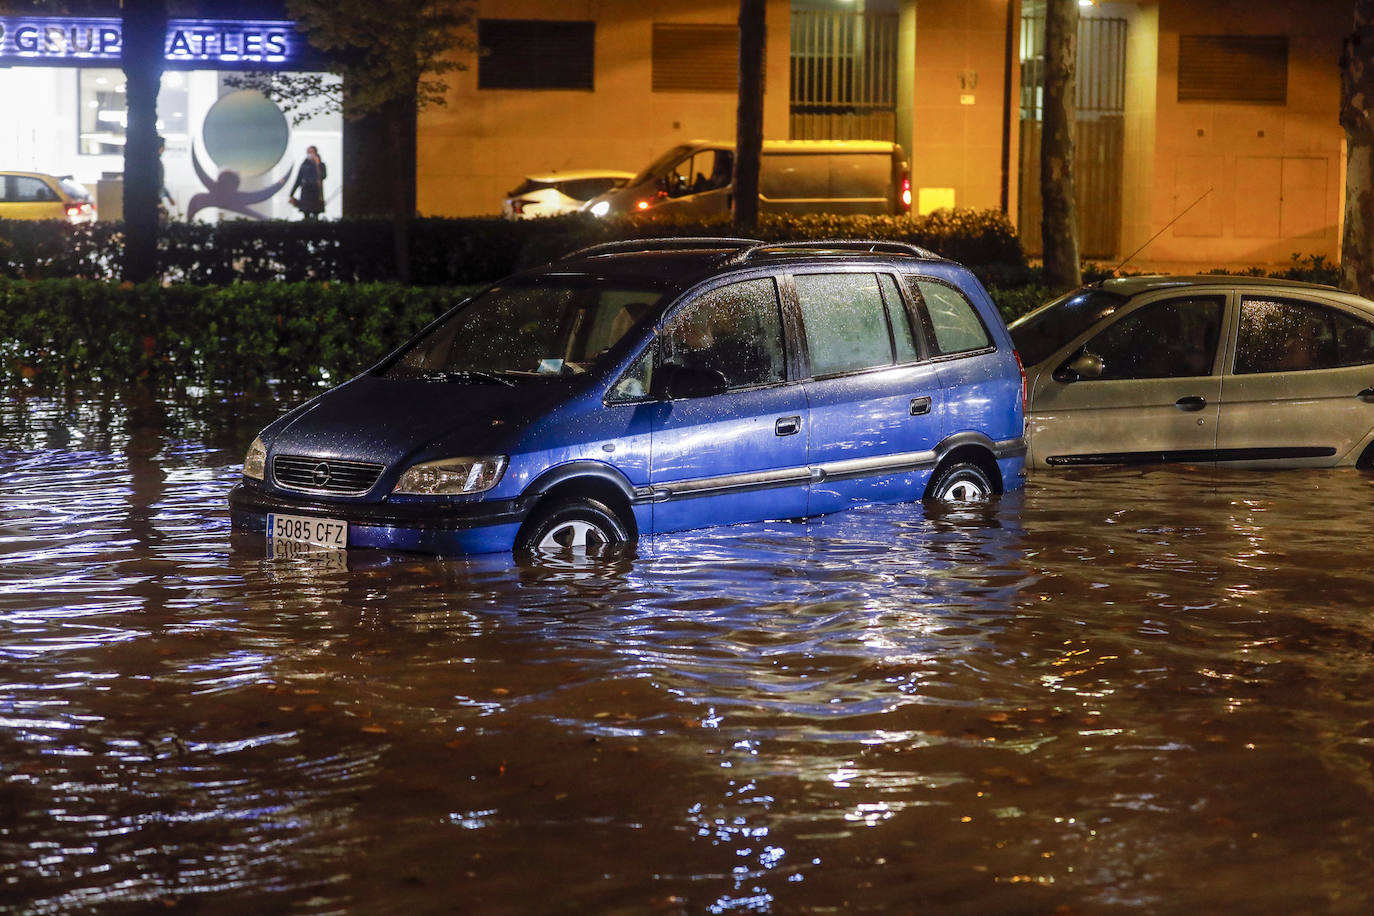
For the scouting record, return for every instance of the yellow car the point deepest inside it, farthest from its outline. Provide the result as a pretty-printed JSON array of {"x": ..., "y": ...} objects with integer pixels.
[{"x": 34, "y": 195}]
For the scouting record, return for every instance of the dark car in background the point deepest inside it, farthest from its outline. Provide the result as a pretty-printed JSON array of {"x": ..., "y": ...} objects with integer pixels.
[
  {"x": 652, "y": 386},
  {"x": 1238, "y": 371}
]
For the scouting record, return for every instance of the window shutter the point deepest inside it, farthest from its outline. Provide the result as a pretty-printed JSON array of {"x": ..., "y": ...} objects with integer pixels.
[
  {"x": 695, "y": 58},
  {"x": 1233, "y": 68},
  {"x": 535, "y": 54}
]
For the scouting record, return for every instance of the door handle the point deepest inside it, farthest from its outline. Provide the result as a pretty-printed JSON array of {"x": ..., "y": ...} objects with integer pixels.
[
  {"x": 920, "y": 406},
  {"x": 787, "y": 426},
  {"x": 1367, "y": 395},
  {"x": 1190, "y": 403}
]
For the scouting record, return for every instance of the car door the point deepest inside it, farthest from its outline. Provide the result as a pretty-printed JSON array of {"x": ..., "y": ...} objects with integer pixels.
[
  {"x": 699, "y": 185},
  {"x": 875, "y": 402},
  {"x": 1301, "y": 387},
  {"x": 1144, "y": 389},
  {"x": 729, "y": 435}
]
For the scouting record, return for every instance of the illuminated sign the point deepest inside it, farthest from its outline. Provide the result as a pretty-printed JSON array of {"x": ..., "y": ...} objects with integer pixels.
[{"x": 190, "y": 43}]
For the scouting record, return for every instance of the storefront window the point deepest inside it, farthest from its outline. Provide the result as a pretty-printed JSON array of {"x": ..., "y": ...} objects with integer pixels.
[{"x": 104, "y": 111}]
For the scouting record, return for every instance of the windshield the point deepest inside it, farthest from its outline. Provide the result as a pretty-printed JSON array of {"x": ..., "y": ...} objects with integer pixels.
[
  {"x": 527, "y": 331},
  {"x": 1051, "y": 326},
  {"x": 660, "y": 165}
]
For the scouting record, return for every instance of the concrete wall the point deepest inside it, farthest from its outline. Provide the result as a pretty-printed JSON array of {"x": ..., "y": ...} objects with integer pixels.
[
  {"x": 958, "y": 113},
  {"x": 1274, "y": 171},
  {"x": 479, "y": 146}
]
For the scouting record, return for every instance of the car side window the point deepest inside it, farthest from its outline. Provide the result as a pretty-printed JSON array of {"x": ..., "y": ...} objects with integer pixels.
[
  {"x": 846, "y": 322},
  {"x": 1288, "y": 336},
  {"x": 958, "y": 329},
  {"x": 1176, "y": 338},
  {"x": 734, "y": 330},
  {"x": 33, "y": 190},
  {"x": 903, "y": 340}
]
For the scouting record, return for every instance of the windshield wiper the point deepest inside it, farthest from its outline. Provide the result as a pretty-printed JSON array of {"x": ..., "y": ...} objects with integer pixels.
[{"x": 469, "y": 375}]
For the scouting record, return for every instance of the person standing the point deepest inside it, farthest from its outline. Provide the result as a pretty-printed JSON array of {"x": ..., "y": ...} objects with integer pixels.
[{"x": 308, "y": 191}]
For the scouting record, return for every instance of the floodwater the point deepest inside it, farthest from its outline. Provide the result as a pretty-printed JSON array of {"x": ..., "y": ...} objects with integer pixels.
[{"x": 1119, "y": 691}]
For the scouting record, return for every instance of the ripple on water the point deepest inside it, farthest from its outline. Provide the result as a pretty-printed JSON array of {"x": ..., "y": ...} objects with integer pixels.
[{"x": 1120, "y": 689}]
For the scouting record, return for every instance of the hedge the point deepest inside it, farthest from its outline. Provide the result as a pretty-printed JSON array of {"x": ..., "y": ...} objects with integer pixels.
[
  {"x": 240, "y": 335},
  {"x": 446, "y": 252}
]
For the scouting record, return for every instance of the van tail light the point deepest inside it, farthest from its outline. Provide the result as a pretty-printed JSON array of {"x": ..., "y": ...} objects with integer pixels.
[
  {"x": 906, "y": 192},
  {"x": 79, "y": 210},
  {"x": 1024, "y": 389}
]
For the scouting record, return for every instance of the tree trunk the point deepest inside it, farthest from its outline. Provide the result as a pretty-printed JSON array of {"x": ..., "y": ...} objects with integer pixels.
[
  {"x": 753, "y": 34},
  {"x": 1059, "y": 214},
  {"x": 1357, "y": 110},
  {"x": 400, "y": 117},
  {"x": 145, "y": 31}
]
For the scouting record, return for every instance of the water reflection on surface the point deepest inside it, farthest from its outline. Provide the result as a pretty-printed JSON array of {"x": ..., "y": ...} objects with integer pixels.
[{"x": 1120, "y": 690}]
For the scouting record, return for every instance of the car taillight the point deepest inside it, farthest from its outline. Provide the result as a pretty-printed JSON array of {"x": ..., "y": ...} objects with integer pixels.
[
  {"x": 78, "y": 210},
  {"x": 906, "y": 193},
  {"x": 518, "y": 206}
]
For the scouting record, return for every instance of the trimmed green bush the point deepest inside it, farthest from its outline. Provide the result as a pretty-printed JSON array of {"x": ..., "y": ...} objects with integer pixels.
[
  {"x": 445, "y": 252},
  {"x": 240, "y": 335}
]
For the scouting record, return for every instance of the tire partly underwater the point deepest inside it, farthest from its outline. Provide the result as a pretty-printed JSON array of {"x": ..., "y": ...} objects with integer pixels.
[{"x": 584, "y": 526}]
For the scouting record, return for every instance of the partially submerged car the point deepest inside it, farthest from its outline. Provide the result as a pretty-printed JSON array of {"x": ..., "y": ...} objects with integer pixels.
[
  {"x": 652, "y": 386},
  {"x": 1240, "y": 371}
]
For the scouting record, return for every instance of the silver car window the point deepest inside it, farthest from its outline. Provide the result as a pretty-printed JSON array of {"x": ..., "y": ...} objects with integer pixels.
[
  {"x": 1175, "y": 338},
  {"x": 1288, "y": 336}
]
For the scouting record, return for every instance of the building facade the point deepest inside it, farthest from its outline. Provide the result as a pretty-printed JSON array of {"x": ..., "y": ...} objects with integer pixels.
[{"x": 1207, "y": 130}]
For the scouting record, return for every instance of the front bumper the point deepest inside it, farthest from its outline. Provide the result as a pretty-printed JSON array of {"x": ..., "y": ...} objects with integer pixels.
[{"x": 486, "y": 526}]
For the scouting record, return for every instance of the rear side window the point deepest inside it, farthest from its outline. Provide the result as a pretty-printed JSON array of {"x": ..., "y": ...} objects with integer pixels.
[
  {"x": 1285, "y": 336},
  {"x": 958, "y": 329},
  {"x": 847, "y": 326}
]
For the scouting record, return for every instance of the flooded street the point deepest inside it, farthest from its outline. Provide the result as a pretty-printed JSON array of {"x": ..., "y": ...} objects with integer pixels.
[{"x": 1118, "y": 691}]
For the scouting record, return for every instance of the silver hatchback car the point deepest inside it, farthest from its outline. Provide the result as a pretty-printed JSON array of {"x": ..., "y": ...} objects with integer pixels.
[{"x": 1244, "y": 371}]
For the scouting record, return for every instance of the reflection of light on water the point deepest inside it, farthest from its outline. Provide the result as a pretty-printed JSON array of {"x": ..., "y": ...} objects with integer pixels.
[{"x": 870, "y": 814}]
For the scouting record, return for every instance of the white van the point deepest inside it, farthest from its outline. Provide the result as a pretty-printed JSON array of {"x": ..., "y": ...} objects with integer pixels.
[{"x": 795, "y": 176}]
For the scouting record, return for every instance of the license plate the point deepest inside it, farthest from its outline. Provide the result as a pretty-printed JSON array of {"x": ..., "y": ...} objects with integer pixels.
[{"x": 324, "y": 532}]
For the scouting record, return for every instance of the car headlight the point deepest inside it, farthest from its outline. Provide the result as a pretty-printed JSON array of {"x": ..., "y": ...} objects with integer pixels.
[
  {"x": 601, "y": 208},
  {"x": 255, "y": 462},
  {"x": 452, "y": 476}
]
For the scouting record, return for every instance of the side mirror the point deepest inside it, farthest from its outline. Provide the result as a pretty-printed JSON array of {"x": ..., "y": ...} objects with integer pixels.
[
  {"x": 1084, "y": 365},
  {"x": 673, "y": 382}
]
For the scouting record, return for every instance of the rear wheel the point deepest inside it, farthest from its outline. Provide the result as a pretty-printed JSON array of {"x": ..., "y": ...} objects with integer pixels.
[
  {"x": 574, "y": 526},
  {"x": 960, "y": 482}
]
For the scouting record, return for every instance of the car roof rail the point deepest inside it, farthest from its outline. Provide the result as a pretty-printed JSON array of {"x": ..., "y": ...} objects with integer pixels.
[
  {"x": 874, "y": 246},
  {"x": 624, "y": 246}
]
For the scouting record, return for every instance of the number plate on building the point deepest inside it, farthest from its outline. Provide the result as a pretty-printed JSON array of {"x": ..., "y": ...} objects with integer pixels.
[{"x": 325, "y": 532}]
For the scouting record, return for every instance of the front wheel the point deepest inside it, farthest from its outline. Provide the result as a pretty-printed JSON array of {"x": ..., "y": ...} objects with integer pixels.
[
  {"x": 960, "y": 482},
  {"x": 578, "y": 526}
]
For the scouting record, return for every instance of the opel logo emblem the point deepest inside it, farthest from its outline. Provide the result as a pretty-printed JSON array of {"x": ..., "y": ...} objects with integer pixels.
[{"x": 320, "y": 475}]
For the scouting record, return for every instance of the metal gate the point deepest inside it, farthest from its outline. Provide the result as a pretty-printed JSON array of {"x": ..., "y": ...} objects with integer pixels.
[
  {"x": 1100, "y": 128},
  {"x": 844, "y": 76}
]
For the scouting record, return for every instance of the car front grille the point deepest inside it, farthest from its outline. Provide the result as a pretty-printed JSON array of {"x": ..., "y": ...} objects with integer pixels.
[{"x": 324, "y": 475}]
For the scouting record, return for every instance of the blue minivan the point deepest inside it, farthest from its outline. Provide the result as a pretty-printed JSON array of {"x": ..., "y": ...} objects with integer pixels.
[{"x": 656, "y": 385}]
